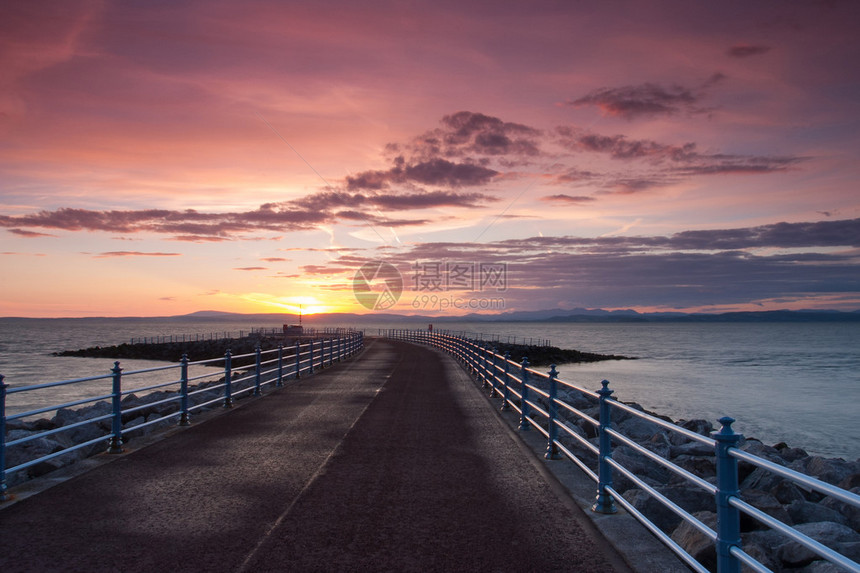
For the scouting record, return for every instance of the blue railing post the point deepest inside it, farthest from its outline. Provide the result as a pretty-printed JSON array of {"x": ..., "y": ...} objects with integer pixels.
[
  {"x": 280, "y": 381},
  {"x": 604, "y": 502},
  {"x": 311, "y": 355},
  {"x": 298, "y": 360},
  {"x": 115, "y": 444},
  {"x": 524, "y": 416},
  {"x": 183, "y": 391},
  {"x": 728, "y": 517},
  {"x": 493, "y": 372},
  {"x": 3, "y": 386},
  {"x": 506, "y": 391},
  {"x": 258, "y": 369},
  {"x": 482, "y": 367},
  {"x": 228, "y": 379},
  {"x": 551, "y": 447}
]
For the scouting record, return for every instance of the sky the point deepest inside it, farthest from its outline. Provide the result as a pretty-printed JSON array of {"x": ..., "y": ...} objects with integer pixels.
[{"x": 161, "y": 158}]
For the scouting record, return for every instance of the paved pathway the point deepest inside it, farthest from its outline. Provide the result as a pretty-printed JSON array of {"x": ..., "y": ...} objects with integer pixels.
[{"x": 393, "y": 461}]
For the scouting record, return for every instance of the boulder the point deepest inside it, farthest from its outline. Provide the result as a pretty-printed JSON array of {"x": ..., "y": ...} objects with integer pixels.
[
  {"x": 785, "y": 490},
  {"x": 690, "y": 499},
  {"x": 696, "y": 543},
  {"x": 659, "y": 444},
  {"x": 692, "y": 448},
  {"x": 648, "y": 471},
  {"x": 84, "y": 432},
  {"x": 821, "y": 567},
  {"x": 849, "y": 512},
  {"x": 834, "y": 535},
  {"x": 700, "y": 426},
  {"x": 765, "y": 502},
  {"x": 637, "y": 428},
  {"x": 790, "y": 454},
  {"x": 756, "y": 448},
  {"x": 760, "y": 545},
  {"x": 829, "y": 470},
  {"x": 802, "y": 511},
  {"x": 701, "y": 466}
]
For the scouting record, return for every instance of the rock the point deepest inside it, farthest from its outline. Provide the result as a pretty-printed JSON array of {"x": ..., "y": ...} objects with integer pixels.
[
  {"x": 760, "y": 545},
  {"x": 802, "y": 511},
  {"x": 765, "y": 502},
  {"x": 576, "y": 399},
  {"x": 697, "y": 543},
  {"x": 821, "y": 567},
  {"x": 648, "y": 471},
  {"x": 851, "y": 481},
  {"x": 790, "y": 454},
  {"x": 850, "y": 512},
  {"x": 831, "y": 471},
  {"x": 786, "y": 491},
  {"x": 701, "y": 466},
  {"x": 34, "y": 449},
  {"x": 690, "y": 499},
  {"x": 637, "y": 428},
  {"x": 839, "y": 537},
  {"x": 692, "y": 449},
  {"x": 159, "y": 410},
  {"x": 700, "y": 426},
  {"x": 659, "y": 444},
  {"x": 84, "y": 432},
  {"x": 756, "y": 448}
]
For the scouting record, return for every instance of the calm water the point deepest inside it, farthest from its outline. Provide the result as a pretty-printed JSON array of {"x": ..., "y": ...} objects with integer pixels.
[{"x": 792, "y": 382}]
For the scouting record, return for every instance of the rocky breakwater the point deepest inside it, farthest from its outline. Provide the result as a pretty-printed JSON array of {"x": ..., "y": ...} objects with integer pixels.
[
  {"x": 546, "y": 355},
  {"x": 194, "y": 349},
  {"x": 823, "y": 518}
]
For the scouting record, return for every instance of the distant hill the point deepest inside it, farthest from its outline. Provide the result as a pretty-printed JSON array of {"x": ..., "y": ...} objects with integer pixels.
[{"x": 550, "y": 315}]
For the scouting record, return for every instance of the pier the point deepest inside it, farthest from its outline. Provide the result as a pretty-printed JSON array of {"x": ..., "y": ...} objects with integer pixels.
[
  {"x": 421, "y": 451},
  {"x": 390, "y": 461}
]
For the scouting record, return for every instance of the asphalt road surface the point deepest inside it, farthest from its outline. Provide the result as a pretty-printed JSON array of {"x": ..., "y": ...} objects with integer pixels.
[{"x": 393, "y": 461}]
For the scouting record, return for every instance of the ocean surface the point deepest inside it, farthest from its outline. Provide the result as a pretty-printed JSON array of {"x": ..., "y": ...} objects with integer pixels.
[{"x": 792, "y": 382}]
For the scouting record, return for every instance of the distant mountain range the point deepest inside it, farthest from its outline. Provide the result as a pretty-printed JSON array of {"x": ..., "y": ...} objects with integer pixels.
[{"x": 553, "y": 315}]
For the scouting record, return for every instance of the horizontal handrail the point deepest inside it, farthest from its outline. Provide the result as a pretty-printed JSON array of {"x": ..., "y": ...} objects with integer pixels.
[
  {"x": 16, "y": 389},
  {"x": 513, "y": 383},
  {"x": 797, "y": 477},
  {"x": 172, "y": 397}
]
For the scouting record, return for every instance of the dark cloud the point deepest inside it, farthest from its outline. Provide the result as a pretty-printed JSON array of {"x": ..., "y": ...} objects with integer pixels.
[
  {"x": 643, "y": 100},
  {"x": 110, "y": 254},
  {"x": 693, "y": 268},
  {"x": 684, "y": 160},
  {"x": 747, "y": 50},
  {"x": 620, "y": 147},
  {"x": 250, "y": 268},
  {"x": 567, "y": 199},
  {"x": 471, "y": 138},
  {"x": 29, "y": 234},
  {"x": 301, "y": 214},
  {"x": 274, "y": 259},
  {"x": 577, "y": 176},
  {"x": 435, "y": 171}
]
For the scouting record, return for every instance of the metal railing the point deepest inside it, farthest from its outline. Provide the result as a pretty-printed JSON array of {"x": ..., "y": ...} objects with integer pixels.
[
  {"x": 534, "y": 396},
  {"x": 180, "y": 389},
  {"x": 480, "y": 336}
]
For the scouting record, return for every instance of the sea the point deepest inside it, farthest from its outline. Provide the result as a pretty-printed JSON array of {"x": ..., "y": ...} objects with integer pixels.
[{"x": 792, "y": 382}]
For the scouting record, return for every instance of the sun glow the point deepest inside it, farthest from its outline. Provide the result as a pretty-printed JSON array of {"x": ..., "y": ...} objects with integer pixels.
[{"x": 291, "y": 304}]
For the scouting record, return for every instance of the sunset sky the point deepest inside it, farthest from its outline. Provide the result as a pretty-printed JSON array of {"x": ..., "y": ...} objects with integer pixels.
[{"x": 159, "y": 158}]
